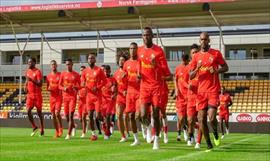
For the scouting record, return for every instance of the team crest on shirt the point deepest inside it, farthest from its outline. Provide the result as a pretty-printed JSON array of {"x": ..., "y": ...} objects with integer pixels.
[
  {"x": 34, "y": 74},
  {"x": 72, "y": 77},
  {"x": 95, "y": 73},
  {"x": 128, "y": 67}
]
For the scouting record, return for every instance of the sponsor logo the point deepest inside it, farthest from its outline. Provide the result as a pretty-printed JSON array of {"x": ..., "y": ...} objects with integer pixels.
[
  {"x": 23, "y": 115},
  {"x": 263, "y": 118},
  {"x": 244, "y": 118},
  {"x": 3, "y": 115}
]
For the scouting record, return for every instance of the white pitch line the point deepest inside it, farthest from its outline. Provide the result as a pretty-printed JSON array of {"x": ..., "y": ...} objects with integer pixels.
[{"x": 201, "y": 152}]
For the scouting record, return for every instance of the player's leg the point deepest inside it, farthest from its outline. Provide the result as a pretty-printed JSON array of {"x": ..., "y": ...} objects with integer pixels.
[
  {"x": 80, "y": 112},
  {"x": 30, "y": 106},
  {"x": 127, "y": 123},
  {"x": 55, "y": 124},
  {"x": 221, "y": 126},
  {"x": 202, "y": 117},
  {"x": 156, "y": 117},
  {"x": 146, "y": 120},
  {"x": 67, "y": 115},
  {"x": 191, "y": 113},
  {"x": 92, "y": 125},
  {"x": 52, "y": 109},
  {"x": 38, "y": 104},
  {"x": 191, "y": 122},
  {"x": 165, "y": 125},
  {"x": 112, "y": 123},
  {"x": 212, "y": 113},
  {"x": 134, "y": 128},
  {"x": 199, "y": 138},
  {"x": 120, "y": 121},
  {"x": 227, "y": 124},
  {"x": 108, "y": 125},
  {"x": 39, "y": 112},
  {"x": 180, "y": 123},
  {"x": 59, "y": 122},
  {"x": 71, "y": 123},
  {"x": 84, "y": 123}
]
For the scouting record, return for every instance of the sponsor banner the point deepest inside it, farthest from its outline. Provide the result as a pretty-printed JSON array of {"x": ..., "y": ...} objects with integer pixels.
[
  {"x": 3, "y": 115},
  {"x": 98, "y": 4},
  {"x": 240, "y": 117},
  {"x": 250, "y": 117},
  {"x": 46, "y": 115}
]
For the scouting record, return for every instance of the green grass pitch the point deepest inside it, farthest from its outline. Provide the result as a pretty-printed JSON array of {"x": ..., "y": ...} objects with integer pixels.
[{"x": 16, "y": 144}]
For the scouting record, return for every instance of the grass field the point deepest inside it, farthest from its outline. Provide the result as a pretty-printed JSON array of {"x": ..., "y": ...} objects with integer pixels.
[{"x": 16, "y": 144}]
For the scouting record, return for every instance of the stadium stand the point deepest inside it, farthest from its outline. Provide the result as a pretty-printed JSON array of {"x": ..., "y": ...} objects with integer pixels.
[{"x": 249, "y": 96}]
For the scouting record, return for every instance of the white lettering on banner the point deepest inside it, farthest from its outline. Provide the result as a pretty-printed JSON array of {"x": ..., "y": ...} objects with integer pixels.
[
  {"x": 263, "y": 118},
  {"x": 23, "y": 115},
  {"x": 244, "y": 117},
  {"x": 172, "y": 118}
]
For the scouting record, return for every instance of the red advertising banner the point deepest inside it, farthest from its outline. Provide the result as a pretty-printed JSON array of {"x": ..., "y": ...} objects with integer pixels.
[{"x": 98, "y": 4}]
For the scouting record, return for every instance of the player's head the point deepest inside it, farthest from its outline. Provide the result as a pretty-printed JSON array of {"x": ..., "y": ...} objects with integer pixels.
[
  {"x": 133, "y": 47},
  {"x": 92, "y": 59},
  {"x": 53, "y": 65},
  {"x": 223, "y": 89},
  {"x": 81, "y": 69},
  {"x": 32, "y": 63},
  {"x": 107, "y": 70},
  {"x": 185, "y": 58},
  {"x": 122, "y": 59},
  {"x": 103, "y": 66},
  {"x": 194, "y": 48},
  {"x": 148, "y": 36},
  {"x": 204, "y": 40},
  {"x": 69, "y": 64}
]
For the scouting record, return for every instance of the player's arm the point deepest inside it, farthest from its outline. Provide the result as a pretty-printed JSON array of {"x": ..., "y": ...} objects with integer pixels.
[
  {"x": 77, "y": 85},
  {"x": 230, "y": 102},
  {"x": 125, "y": 84},
  {"x": 185, "y": 84},
  {"x": 114, "y": 89},
  {"x": 164, "y": 66},
  {"x": 60, "y": 85},
  {"x": 168, "y": 78},
  {"x": 175, "y": 85},
  {"x": 83, "y": 79},
  {"x": 139, "y": 68},
  {"x": 103, "y": 80},
  {"x": 194, "y": 67},
  {"x": 224, "y": 66},
  {"x": 48, "y": 84},
  {"x": 25, "y": 85}
]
